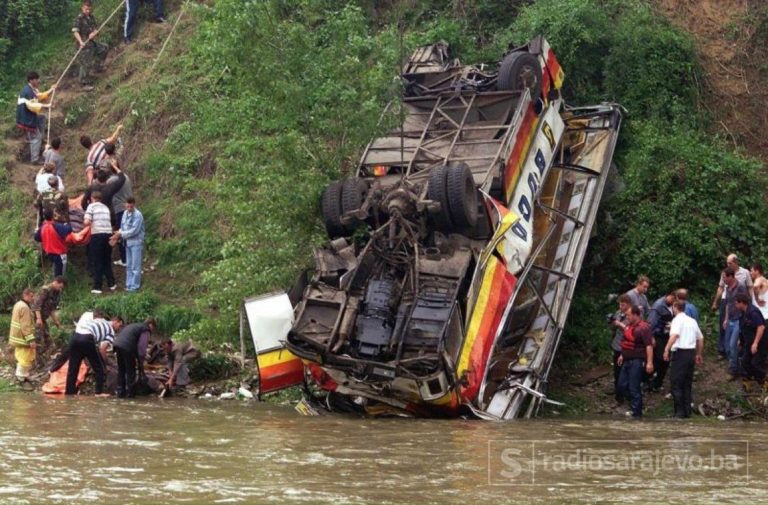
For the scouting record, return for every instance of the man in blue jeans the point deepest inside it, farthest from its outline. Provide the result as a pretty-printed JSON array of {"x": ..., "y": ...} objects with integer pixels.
[
  {"x": 733, "y": 288},
  {"x": 636, "y": 358},
  {"x": 131, "y": 10},
  {"x": 132, "y": 232}
]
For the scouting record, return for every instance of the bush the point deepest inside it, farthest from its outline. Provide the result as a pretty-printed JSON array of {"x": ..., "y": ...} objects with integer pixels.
[
  {"x": 688, "y": 202},
  {"x": 172, "y": 319}
]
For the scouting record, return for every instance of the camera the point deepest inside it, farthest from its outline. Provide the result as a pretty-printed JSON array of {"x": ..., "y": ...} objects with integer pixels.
[{"x": 610, "y": 317}]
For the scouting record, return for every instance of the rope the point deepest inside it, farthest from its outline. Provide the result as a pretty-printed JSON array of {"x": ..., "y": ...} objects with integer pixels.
[
  {"x": 71, "y": 62},
  {"x": 152, "y": 67},
  {"x": 157, "y": 58}
]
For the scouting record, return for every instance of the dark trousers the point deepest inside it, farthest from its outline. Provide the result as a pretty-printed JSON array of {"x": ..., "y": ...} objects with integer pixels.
[
  {"x": 681, "y": 376},
  {"x": 126, "y": 372},
  {"x": 659, "y": 365},
  {"x": 722, "y": 346},
  {"x": 616, "y": 373},
  {"x": 82, "y": 346},
  {"x": 754, "y": 365},
  {"x": 132, "y": 10},
  {"x": 630, "y": 379},
  {"x": 100, "y": 259},
  {"x": 58, "y": 264},
  {"x": 121, "y": 242}
]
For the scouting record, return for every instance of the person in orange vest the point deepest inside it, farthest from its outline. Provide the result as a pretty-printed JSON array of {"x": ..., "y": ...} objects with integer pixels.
[{"x": 53, "y": 237}]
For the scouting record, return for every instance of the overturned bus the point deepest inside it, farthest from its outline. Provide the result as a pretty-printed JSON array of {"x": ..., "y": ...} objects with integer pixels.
[{"x": 455, "y": 249}]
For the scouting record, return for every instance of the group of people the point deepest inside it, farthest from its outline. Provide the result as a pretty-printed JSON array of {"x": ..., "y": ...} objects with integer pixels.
[
  {"x": 109, "y": 214},
  {"x": 651, "y": 339},
  {"x": 94, "y": 336},
  {"x": 742, "y": 301}
]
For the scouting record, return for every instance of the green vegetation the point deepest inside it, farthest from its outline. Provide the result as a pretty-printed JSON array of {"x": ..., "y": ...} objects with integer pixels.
[{"x": 263, "y": 103}]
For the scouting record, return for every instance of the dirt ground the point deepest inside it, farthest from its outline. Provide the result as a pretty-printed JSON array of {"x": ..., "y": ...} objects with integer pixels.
[
  {"x": 591, "y": 392},
  {"x": 734, "y": 81}
]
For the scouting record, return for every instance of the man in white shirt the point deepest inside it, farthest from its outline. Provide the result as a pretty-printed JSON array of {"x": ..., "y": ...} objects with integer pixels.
[
  {"x": 686, "y": 343},
  {"x": 44, "y": 178}
]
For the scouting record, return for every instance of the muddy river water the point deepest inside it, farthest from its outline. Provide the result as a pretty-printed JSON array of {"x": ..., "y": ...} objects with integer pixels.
[{"x": 86, "y": 450}]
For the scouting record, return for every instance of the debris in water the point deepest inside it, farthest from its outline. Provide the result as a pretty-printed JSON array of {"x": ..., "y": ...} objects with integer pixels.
[{"x": 229, "y": 395}]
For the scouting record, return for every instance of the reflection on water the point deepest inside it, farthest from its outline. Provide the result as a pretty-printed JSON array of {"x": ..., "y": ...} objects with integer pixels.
[{"x": 88, "y": 450}]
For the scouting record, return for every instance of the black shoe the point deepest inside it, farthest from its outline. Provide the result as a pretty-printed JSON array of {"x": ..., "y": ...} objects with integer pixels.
[
  {"x": 161, "y": 20},
  {"x": 127, "y": 42}
]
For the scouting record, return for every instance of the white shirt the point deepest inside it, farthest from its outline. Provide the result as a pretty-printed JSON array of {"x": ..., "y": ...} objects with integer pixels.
[
  {"x": 84, "y": 322},
  {"x": 687, "y": 330},
  {"x": 41, "y": 182}
]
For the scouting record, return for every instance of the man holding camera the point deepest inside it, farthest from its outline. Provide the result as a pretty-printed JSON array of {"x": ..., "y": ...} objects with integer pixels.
[{"x": 617, "y": 322}]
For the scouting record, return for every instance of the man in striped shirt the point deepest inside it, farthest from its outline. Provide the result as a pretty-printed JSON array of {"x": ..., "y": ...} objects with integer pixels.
[
  {"x": 97, "y": 152},
  {"x": 98, "y": 216},
  {"x": 88, "y": 340}
]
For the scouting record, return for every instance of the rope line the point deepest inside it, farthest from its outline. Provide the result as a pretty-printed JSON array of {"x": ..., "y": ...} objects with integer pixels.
[
  {"x": 71, "y": 62},
  {"x": 157, "y": 58}
]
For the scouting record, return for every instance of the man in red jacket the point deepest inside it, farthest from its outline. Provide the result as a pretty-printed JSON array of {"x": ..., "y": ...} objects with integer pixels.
[{"x": 52, "y": 236}]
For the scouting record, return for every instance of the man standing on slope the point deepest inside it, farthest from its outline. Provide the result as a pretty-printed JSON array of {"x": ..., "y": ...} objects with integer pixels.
[
  {"x": 28, "y": 107},
  {"x": 132, "y": 10},
  {"x": 742, "y": 276},
  {"x": 97, "y": 152},
  {"x": 99, "y": 250},
  {"x": 53, "y": 238},
  {"x": 85, "y": 30},
  {"x": 132, "y": 232}
]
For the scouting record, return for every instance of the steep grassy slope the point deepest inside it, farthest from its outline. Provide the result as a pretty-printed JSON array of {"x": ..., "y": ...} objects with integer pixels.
[{"x": 258, "y": 105}]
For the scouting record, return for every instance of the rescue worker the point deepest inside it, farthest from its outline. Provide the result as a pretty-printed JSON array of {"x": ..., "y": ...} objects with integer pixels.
[
  {"x": 28, "y": 118},
  {"x": 53, "y": 155},
  {"x": 91, "y": 341},
  {"x": 178, "y": 357},
  {"x": 22, "y": 335},
  {"x": 131, "y": 348},
  {"x": 45, "y": 307},
  {"x": 55, "y": 200},
  {"x": 97, "y": 152},
  {"x": 85, "y": 30},
  {"x": 53, "y": 237},
  {"x": 99, "y": 218}
]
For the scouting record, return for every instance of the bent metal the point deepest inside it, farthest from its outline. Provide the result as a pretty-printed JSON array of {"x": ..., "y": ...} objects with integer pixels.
[{"x": 454, "y": 250}]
